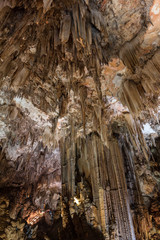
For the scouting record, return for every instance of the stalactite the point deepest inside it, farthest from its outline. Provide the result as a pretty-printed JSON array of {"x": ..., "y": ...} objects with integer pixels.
[
  {"x": 109, "y": 187},
  {"x": 152, "y": 71},
  {"x": 83, "y": 95},
  {"x": 141, "y": 221},
  {"x": 53, "y": 101},
  {"x": 131, "y": 97},
  {"x": 65, "y": 29},
  {"x": 128, "y": 53},
  {"x": 134, "y": 129}
]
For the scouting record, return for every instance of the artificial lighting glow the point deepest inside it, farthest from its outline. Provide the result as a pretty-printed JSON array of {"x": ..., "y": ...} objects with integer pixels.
[
  {"x": 35, "y": 217},
  {"x": 77, "y": 201}
]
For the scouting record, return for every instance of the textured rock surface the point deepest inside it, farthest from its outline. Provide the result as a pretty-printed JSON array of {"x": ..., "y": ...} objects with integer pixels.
[{"x": 79, "y": 119}]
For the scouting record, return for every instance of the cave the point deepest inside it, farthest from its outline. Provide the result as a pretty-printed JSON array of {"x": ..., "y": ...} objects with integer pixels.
[{"x": 79, "y": 120}]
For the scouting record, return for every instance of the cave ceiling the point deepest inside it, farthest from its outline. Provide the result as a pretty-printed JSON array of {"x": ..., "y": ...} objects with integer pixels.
[{"x": 79, "y": 119}]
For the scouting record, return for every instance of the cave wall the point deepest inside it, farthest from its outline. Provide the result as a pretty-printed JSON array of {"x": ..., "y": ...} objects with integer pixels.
[
  {"x": 78, "y": 79},
  {"x": 122, "y": 186}
]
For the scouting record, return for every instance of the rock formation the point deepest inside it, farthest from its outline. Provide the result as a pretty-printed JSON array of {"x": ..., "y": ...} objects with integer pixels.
[{"x": 79, "y": 119}]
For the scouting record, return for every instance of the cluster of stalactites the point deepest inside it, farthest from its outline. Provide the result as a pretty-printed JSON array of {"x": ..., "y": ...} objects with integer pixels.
[
  {"x": 93, "y": 179},
  {"x": 140, "y": 87}
]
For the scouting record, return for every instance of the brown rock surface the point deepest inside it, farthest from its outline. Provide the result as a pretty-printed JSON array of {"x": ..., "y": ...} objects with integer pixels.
[{"x": 79, "y": 119}]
